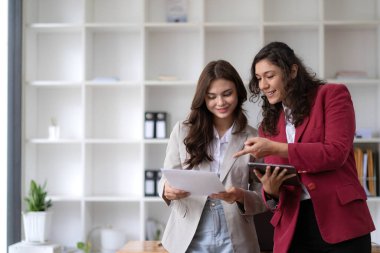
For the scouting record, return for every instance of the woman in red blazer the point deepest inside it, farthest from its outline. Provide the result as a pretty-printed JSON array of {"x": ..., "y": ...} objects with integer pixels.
[{"x": 310, "y": 125}]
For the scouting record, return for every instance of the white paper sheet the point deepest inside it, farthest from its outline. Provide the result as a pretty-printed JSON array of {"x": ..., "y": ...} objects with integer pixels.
[{"x": 200, "y": 183}]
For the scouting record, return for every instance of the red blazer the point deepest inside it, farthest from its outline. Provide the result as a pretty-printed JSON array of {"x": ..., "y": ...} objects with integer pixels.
[{"x": 323, "y": 148}]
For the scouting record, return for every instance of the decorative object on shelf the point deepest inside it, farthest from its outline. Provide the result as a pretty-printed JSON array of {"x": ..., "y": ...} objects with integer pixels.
[
  {"x": 150, "y": 183},
  {"x": 152, "y": 177},
  {"x": 155, "y": 125},
  {"x": 351, "y": 74},
  {"x": 176, "y": 10},
  {"x": 111, "y": 239},
  {"x": 37, "y": 219},
  {"x": 161, "y": 125},
  {"x": 149, "y": 125},
  {"x": 53, "y": 129},
  {"x": 154, "y": 230},
  {"x": 364, "y": 133},
  {"x": 167, "y": 78},
  {"x": 106, "y": 79}
]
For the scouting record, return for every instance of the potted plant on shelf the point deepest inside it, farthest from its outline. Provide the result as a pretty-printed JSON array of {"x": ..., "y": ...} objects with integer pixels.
[
  {"x": 37, "y": 218},
  {"x": 53, "y": 129}
]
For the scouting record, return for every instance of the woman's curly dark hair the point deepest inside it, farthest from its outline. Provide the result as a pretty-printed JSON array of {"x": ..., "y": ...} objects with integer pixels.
[
  {"x": 200, "y": 123},
  {"x": 300, "y": 91}
]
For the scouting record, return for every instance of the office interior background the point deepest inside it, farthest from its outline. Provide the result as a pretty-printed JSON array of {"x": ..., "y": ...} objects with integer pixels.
[{"x": 93, "y": 69}]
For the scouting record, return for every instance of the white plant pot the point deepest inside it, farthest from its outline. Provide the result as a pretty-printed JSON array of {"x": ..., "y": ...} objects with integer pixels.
[
  {"x": 37, "y": 226},
  {"x": 54, "y": 132}
]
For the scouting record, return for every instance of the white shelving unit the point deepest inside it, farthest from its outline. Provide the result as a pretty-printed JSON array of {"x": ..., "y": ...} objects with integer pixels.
[{"x": 95, "y": 66}]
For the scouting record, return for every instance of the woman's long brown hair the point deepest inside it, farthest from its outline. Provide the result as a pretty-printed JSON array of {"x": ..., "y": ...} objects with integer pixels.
[
  {"x": 200, "y": 120},
  {"x": 300, "y": 91}
]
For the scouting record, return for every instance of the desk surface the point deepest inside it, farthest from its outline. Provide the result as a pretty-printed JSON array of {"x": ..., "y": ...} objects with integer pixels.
[
  {"x": 156, "y": 247},
  {"x": 142, "y": 247}
]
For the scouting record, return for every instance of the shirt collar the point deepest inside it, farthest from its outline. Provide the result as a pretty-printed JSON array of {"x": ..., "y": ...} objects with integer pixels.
[{"x": 227, "y": 135}]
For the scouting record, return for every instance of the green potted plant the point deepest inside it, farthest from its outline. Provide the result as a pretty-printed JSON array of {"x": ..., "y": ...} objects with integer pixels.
[{"x": 37, "y": 218}]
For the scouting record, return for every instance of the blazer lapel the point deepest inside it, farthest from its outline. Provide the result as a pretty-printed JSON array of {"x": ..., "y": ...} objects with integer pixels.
[
  {"x": 236, "y": 144},
  {"x": 300, "y": 129},
  {"x": 281, "y": 137}
]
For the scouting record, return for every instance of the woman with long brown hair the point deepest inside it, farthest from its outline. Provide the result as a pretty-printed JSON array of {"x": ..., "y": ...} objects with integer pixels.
[{"x": 215, "y": 129}]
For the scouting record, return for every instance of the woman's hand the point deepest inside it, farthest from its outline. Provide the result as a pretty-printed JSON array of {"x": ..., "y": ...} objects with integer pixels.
[
  {"x": 260, "y": 147},
  {"x": 171, "y": 193},
  {"x": 232, "y": 195},
  {"x": 272, "y": 181}
]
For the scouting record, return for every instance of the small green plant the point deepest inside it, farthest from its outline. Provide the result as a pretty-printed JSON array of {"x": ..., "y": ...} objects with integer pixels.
[
  {"x": 36, "y": 199},
  {"x": 86, "y": 247}
]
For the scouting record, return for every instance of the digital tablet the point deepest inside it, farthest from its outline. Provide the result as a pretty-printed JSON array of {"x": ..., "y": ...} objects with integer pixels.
[{"x": 261, "y": 167}]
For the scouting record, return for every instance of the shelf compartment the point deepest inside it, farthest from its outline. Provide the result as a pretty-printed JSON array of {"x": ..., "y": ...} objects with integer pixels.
[
  {"x": 113, "y": 55},
  {"x": 114, "y": 11},
  {"x": 236, "y": 46},
  {"x": 178, "y": 49},
  {"x": 351, "y": 41},
  {"x": 59, "y": 165},
  {"x": 154, "y": 155},
  {"x": 124, "y": 217},
  {"x": 239, "y": 11},
  {"x": 55, "y": 56},
  {"x": 158, "y": 212},
  {"x": 114, "y": 113},
  {"x": 286, "y": 11},
  {"x": 156, "y": 11},
  {"x": 366, "y": 120},
  {"x": 304, "y": 40},
  {"x": 66, "y": 217},
  {"x": 64, "y": 104},
  {"x": 177, "y": 102},
  {"x": 112, "y": 170},
  {"x": 341, "y": 10},
  {"x": 54, "y": 11}
]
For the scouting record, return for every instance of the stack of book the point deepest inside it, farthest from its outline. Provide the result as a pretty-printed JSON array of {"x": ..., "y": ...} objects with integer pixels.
[{"x": 368, "y": 171}]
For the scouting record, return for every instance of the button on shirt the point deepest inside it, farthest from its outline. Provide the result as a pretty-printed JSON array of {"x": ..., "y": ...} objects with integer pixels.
[
  {"x": 219, "y": 147},
  {"x": 290, "y": 136}
]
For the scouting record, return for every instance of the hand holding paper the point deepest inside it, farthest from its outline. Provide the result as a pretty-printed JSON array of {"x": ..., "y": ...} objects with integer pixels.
[{"x": 199, "y": 183}]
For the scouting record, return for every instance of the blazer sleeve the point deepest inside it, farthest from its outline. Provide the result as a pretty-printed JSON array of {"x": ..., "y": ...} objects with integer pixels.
[
  {"x": 172, "y": 158},
  {"x": 253, "y": 201},
  {"x": 328, "y": 145}
]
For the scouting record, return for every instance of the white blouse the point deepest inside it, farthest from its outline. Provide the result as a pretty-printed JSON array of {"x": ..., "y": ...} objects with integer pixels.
[
  {"x": 290, "y": 135},
  {"x": 218, "y": 149}
]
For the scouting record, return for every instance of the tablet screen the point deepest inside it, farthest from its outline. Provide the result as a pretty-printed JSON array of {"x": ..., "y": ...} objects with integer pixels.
[{"x": 261, "y": 167}]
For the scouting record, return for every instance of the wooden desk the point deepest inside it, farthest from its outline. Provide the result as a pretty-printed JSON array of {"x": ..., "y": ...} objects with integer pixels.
[
  {"x": 375, "y": 248},
  {"x": 142, "y": 247},
  {"x": 155, "y": 247}
]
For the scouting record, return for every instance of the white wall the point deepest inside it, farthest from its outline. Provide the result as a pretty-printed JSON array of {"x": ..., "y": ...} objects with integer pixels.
[{"x": 4, "y": 121}]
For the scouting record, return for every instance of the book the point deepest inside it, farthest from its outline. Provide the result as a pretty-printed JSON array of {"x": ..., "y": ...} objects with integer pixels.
[{"x": 371, "y": 174}]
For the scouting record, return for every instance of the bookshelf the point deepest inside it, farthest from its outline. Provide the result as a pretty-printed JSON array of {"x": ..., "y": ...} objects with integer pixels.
[{"x": 95, "y": 66}]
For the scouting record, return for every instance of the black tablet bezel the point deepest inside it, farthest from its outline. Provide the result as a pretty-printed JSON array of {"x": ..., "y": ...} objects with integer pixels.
[{"x": 261, "y": 167}]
